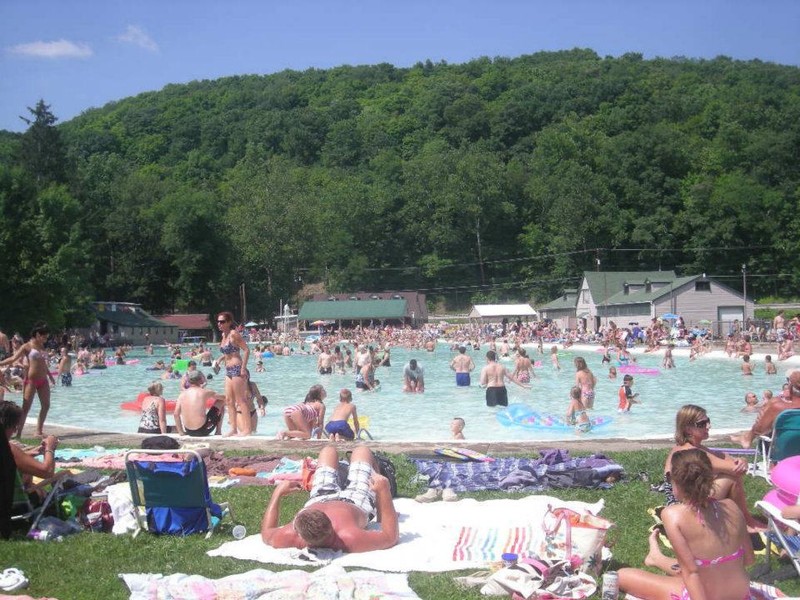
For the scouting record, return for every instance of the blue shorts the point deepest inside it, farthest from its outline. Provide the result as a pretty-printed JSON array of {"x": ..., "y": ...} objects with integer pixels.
[
  {"x": 340, "y": 427},
  {"x": 462, "y": 379}
]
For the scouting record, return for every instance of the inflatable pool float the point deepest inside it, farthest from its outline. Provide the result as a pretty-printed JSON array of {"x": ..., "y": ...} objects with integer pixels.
[
  {"x": 638, "y": 370},
  {"x": 521, "y": 415},
  {"x": 267, "y": 354},
  {"x": 136, "y": 405},
  {"x": 111, "y": 362},
  {"x": 181, "y": 364}
]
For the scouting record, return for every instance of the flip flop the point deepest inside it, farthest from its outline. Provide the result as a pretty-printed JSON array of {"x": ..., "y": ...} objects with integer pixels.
[{"x": 12, "y": 580}]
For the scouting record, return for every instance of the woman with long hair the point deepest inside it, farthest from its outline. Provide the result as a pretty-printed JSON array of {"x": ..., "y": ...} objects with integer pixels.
[
  {"x": 585, "y": 379},
  {"x": 235, "y": 353},
  {"x": 709, "y": 536},
  {"x": 691, "y": 430},
  {"x": 37, "y": 380}
]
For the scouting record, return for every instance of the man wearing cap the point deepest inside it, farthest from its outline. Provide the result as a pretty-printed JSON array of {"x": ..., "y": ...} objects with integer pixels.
[
  {"x": 190, "y": 413},
  {"x": 770, "y": 411}
]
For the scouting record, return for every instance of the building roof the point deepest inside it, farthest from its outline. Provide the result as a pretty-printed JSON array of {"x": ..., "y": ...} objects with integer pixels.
[
  {"x": 187, "y": 321},
  {"x": 645, "y": 297},
  {"x": 567, "y": 300},
  {"x": 126, "y": 314},
  {"x": 605, "y": 284},
  {"x": 352, "y": 310}
]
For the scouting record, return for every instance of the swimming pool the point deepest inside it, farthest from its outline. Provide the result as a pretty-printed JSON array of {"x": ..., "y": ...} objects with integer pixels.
[{"x": 712, "y": 382}]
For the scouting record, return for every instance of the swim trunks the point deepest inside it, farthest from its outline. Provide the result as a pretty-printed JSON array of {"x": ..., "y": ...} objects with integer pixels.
[
  {"x": 342, "y": 428},
  {"x": 66, "y": 379},
  {"x": 462, "y": 379},
  {"x": 496, "y": 396},
  {"x": 325, "y": 370},
  {"x": 326, "y": 487},
  {"x": 212, "y": 420}
]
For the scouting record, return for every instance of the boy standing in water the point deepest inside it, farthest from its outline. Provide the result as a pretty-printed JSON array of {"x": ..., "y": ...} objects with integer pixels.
[
  {"x": 627, "y": 397},
  {"x": 338, "y": 428},
  {"x": 457, "y": 428}
]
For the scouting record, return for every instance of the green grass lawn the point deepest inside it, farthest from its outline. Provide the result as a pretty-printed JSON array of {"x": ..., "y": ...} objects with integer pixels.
[{"x": 86, "y": 565}]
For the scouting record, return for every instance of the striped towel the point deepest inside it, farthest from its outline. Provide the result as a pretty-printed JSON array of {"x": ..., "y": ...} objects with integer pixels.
[{"x": 489, "y": 543}]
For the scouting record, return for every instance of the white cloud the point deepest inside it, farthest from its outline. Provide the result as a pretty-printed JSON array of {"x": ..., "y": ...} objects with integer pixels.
[
  {"x": 56, "y": 49},
  {"x": 138, "y": 37}
]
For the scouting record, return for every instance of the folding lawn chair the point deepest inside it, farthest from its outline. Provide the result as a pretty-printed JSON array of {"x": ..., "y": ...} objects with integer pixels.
[
  {"x": 23, "y": 509},
  {"x": 169, "y": 490},
  {"x": 783, "y": 533},
  {"x": 783, "y": 443}
]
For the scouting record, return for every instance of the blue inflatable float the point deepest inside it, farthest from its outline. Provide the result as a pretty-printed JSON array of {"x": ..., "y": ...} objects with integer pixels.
[{"x": 520, "y": 415}]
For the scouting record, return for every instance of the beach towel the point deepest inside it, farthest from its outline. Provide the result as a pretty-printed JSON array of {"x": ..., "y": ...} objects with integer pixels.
[
  {"x": 436, "y": 537},
  {"x": 554, "y": 470},
  {"x": 330, "y": 582}
]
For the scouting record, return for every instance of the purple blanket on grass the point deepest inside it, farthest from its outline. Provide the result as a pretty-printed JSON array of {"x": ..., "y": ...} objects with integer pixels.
[{"x": 554, "y": 470}]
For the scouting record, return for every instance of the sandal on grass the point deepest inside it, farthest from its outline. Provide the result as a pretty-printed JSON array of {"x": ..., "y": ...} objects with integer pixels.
[{"x": 12, "y": 580}]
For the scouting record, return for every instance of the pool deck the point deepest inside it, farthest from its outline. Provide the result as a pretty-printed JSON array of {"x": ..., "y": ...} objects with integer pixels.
[{"x": 70, "y": 436}]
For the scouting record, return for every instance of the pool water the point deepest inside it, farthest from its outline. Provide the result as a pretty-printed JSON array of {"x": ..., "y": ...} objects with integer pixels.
[{"x": 94, "y": 400}]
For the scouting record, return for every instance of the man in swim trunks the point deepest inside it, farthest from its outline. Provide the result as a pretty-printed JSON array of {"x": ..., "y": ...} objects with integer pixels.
[
  {"x": 324, "y": 362},
  {"x": 768, "y": 414},
  {"x": 336, "y": 517},
  {"x": 190, "y": 413},
  {"x": 462, "y": 365},
  {"x": 493, "y": 377}
]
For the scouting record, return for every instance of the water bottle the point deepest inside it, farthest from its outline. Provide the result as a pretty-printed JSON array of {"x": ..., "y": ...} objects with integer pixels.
[
  {"x": 239, "y": 532},
  {"x": 44, "y": 536}
]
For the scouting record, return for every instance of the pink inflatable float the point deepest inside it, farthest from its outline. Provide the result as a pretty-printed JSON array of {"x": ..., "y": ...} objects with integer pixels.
[{"x": 637, "y": 370}]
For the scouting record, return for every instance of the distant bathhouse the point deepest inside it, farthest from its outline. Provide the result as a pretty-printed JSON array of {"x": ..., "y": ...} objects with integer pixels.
[
  {"x": 638, "y": 296},
  {"x": 366, "y": 308}
]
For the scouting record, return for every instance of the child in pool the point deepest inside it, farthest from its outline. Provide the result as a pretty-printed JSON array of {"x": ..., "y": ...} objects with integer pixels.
[
  {"x": 751, "y": 403},
  {"x": 769, "y": 366},
  {"x": 747, "y": 368},
  {"x": 627, "y": 397},
  {"x": 554, "y": 358},
  {"x": 576, "y": 412},
  {"x": 338, "y": 428},
  {"x": 612, "y": 372},
  {"x": 457, "y": 428},
  {"x": 668, "y": 362}
]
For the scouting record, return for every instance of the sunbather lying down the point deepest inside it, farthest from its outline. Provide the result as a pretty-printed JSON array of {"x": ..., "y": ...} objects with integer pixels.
[{"x": 334, "y": 517}]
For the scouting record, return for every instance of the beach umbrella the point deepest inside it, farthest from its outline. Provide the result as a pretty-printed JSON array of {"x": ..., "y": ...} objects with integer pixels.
[
  {"x": 670, "y": 317},
  {"x": 319, "y": 323},
  {"x": 704, "y": 322},
  {"x": 251, "y": 324}
]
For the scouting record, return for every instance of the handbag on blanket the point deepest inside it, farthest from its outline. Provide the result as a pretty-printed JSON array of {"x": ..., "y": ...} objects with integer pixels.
[
  {"x": 531, "y": 578},
  {"x": 575, "y": 537}
]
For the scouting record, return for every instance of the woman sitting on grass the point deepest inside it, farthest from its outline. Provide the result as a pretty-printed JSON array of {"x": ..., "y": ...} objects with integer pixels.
[
  {"x": 691, "y": 430},
  {"x": 709, "y": 537}
]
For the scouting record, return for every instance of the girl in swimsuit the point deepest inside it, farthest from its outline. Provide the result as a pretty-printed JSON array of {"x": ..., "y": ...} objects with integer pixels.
[
  {"x": 302, "y": 419},
  {"x": 523, "y": 367},
  {"x": 697, "y": 527},
  {"x": 38, "y": 378},
  {"x": 235, "y": 353},
  {"x": 586, "y": 380}
]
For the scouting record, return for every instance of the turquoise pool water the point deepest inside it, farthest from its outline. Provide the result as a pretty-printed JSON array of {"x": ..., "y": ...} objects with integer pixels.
[{"x": 714, "y": 383}]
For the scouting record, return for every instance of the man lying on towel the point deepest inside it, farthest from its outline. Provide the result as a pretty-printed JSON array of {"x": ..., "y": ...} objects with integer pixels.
[{"x": 335, "y": 517}]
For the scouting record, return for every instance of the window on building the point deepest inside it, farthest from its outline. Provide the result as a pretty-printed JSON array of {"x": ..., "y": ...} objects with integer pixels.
[{"x": 702, "y": 286}]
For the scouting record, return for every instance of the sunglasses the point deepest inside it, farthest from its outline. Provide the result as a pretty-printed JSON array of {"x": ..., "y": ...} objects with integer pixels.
[
  {"x": 703, "y": 423},
  {"x": 222, "y": 320}
]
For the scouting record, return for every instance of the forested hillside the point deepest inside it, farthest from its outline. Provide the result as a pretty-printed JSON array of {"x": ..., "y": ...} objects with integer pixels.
[{"x": 495, "y": 179}]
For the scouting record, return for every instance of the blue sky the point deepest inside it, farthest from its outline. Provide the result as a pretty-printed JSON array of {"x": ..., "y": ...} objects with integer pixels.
[{"x": 81, "y": 54}]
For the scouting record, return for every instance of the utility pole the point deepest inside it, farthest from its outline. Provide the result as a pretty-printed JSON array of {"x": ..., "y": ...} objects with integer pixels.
[
  {"x": 744, "y": 293},
  {"x": 243, "y": 301}
]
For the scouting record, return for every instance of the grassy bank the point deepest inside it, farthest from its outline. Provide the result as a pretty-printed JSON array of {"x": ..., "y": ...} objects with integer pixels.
[{"x": 86, "y": 565}]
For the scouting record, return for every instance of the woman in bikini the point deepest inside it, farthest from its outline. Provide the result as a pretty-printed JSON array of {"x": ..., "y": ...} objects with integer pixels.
[
  {"x": 235, "y": 353},
  {"x": 523, "y": 367},
  {"x": 38, "y": 378},
  {"x": 586, "y": 380},
  {"x": 709, "y": 537},
  {"x": 691, "y": 430},
  {"x": 302, "y": 419}
]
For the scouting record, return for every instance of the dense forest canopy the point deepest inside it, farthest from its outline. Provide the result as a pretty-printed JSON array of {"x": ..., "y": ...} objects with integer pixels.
[{"x": 497, "y": 179}]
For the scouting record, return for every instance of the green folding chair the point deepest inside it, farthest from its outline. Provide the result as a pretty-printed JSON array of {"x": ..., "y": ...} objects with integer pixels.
[
  {"x": 783, "y": 443},
  {"x": 171, "y": 496}
]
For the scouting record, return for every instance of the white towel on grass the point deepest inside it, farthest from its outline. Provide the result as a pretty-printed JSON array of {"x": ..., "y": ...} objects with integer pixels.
[{"x": 429, "y": 536}]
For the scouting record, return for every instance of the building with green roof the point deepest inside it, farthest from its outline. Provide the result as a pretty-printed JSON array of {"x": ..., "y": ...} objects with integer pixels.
[
  {"x": 627, "y": 297},
  {"x": 128, "y": 323}
]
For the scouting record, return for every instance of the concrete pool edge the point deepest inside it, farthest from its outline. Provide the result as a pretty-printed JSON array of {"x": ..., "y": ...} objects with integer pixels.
[{"x": 74, "y": 435}]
